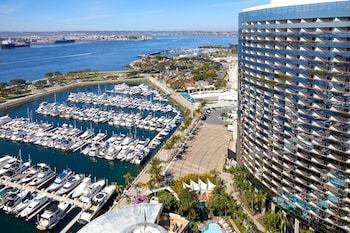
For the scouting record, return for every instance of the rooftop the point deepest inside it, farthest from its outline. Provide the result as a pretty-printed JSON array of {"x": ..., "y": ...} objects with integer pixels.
[
  {"x": 132, "y": 218},
  {"x": 282, "y": 3}
]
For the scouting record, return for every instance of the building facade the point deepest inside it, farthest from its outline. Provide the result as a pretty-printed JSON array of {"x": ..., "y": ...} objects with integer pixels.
[{"x": 294, "y": 128}]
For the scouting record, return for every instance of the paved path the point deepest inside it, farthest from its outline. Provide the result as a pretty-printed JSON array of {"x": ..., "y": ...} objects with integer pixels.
[{"x": 206, "y": 151}]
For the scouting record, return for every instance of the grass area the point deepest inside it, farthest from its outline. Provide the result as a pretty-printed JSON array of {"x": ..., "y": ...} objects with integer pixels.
[
  {"x": 239, "y": 225},
  {"x": 157, "y": 194},
  {"x": 17, "y": 96},
  {"x": 90, "y": 80}
]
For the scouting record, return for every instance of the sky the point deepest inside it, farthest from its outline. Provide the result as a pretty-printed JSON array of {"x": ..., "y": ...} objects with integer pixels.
[{"x": 122, "y": 15}]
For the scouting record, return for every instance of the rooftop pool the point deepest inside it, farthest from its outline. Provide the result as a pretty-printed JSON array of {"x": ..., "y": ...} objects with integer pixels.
[{"x": 212, "y": 228}]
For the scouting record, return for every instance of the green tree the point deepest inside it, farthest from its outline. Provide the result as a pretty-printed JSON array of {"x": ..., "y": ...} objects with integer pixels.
[
  {"x": 154, "y": 171},
  {"x": 40, "y": 84},
  {"x": 118, "y": 188},
  {"x": 128, "y": 177},
  {"x": 3, "y": 91},
  {"x": 19, "y": 85},
  {"x": 57, "y": 73},
  {"x": 143, "y": 185},
  {"x": 188, "y": 205},
  {"x": 170, "y": 204},
  {"x": 48, "y": 74}
]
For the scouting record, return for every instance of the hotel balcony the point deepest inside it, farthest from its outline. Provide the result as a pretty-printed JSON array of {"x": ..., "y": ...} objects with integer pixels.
[
  {"x": 319, "y": 124},
  {"x": 319, "y": 95},
  {"x": 340, "y": 100},
  {"x": 340, "y": 127},
  {"x": 340, "y": 108},
  {"x": 341, "y": 29},
  {"x": 319, "y": 161},
  {"x": 337, "y": 138},
  {"x": 319, "y": 105},
  {"x": 340, "y": 50},
  {"x": 315, "y": 169}
]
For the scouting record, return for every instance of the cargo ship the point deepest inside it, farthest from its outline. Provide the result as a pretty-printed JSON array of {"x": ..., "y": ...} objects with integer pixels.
[
  {"x": 64, "y": 41},
  {"x": 8, "y": 44}
]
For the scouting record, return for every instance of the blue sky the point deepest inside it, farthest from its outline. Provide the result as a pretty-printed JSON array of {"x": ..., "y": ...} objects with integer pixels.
[{"x": 130, "y": 15}]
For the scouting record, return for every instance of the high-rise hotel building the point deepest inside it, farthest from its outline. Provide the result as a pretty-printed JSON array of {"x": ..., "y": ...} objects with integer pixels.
[{"x": 295, "y": 106}]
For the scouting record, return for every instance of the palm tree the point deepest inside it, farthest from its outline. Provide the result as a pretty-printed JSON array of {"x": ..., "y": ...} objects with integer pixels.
[
  {"x": 118, "y": 188},
  {"x": 282, "y": 220},
  {"x": 128, "y": 177},
  {"x": 269, "y": 220},
  {"x": 143, "y": 185},
  {"x": 155, "y": 170}
]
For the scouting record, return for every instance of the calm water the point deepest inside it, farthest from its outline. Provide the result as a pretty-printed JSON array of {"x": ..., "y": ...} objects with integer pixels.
[{"x": 32, "y": 63}]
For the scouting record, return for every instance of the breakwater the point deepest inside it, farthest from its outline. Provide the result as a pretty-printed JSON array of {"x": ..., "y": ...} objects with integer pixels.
[{"x": 39, "y": 94}]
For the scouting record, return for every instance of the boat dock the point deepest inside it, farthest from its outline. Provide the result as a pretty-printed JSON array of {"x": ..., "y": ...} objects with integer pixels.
[{"x": 52, "y": 196}]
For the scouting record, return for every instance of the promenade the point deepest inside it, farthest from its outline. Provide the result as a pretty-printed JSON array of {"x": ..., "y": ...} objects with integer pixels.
[{"x": 206, "y": 150}]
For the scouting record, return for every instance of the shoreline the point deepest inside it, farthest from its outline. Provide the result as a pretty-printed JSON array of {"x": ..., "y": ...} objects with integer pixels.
[
  {"x": 172, "y": 95},
  {"x": 9, "y": 104}
]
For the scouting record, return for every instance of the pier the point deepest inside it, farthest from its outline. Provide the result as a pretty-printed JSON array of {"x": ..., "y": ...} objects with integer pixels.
[{"x": 51, "y": 196}]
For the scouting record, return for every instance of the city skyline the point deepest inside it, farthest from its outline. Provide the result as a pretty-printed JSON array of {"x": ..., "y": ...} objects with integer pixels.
[{"x": 39, "y": 15}]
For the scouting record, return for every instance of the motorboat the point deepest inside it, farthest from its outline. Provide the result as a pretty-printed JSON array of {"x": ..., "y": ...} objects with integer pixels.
[
  {"x": 5, "y": 160},
  {"x": 13, "y": 199},
  {"x": 25, "y": 202},
  {"x": 10, "y": 164},
  {"x": 112, "y": 152},
  {"x": 123, "y": 153},
  {"x": 45, "y": 174},
  {"x": 90, "y": 192},
  {"x": 85, "y": 183},
  {"x": 40, "y": 200},
  {"x": 60, "y": 180},
  {"x": 52, "y": 215},
  {"x": 6, "y": 192},
  {"x": 15, "y": 169},
  {"x": 31, "y": 173},
  {"x": 94, "y": 150},
  {"x": 97, "y": 202},
  {"x": 71, "y": 183}
]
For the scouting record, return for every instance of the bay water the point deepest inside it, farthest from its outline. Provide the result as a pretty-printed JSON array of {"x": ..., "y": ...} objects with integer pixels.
[{"x": 32, "y": 63}]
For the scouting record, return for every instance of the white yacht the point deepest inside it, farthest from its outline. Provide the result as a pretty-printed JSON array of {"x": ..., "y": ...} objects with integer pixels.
[
  {"x": 24, "y": 203},
  {"x": 14, "y": 169},
  {"x": 36, "y": 203},
  {"x": 72, "y": 182},
  {"x": 5, "y": 159},
  {"x": 60, "y": 180},
  {"x": 52, "y": 215},
  {"x": 8, "y": 165},
  {"x": 94, "y": 150},
  {"x": 31, "y": 173},
  {"x": 85, "y": 183},
  {"x": 97, "y": 202},
  {"x": 123, "y": 153},
  {"x": 94, "y": 188},
  {"x": 13, "y": 199},
  {"x": 112, "y": 152},
  {"x": 45, "y": 174}
]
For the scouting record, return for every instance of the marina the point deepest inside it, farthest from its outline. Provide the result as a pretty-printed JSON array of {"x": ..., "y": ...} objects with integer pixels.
[
  {"x": 130, "y": 114},
  {"x": 132, "y": 132},
  {"x": 28, "y": 200}
]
